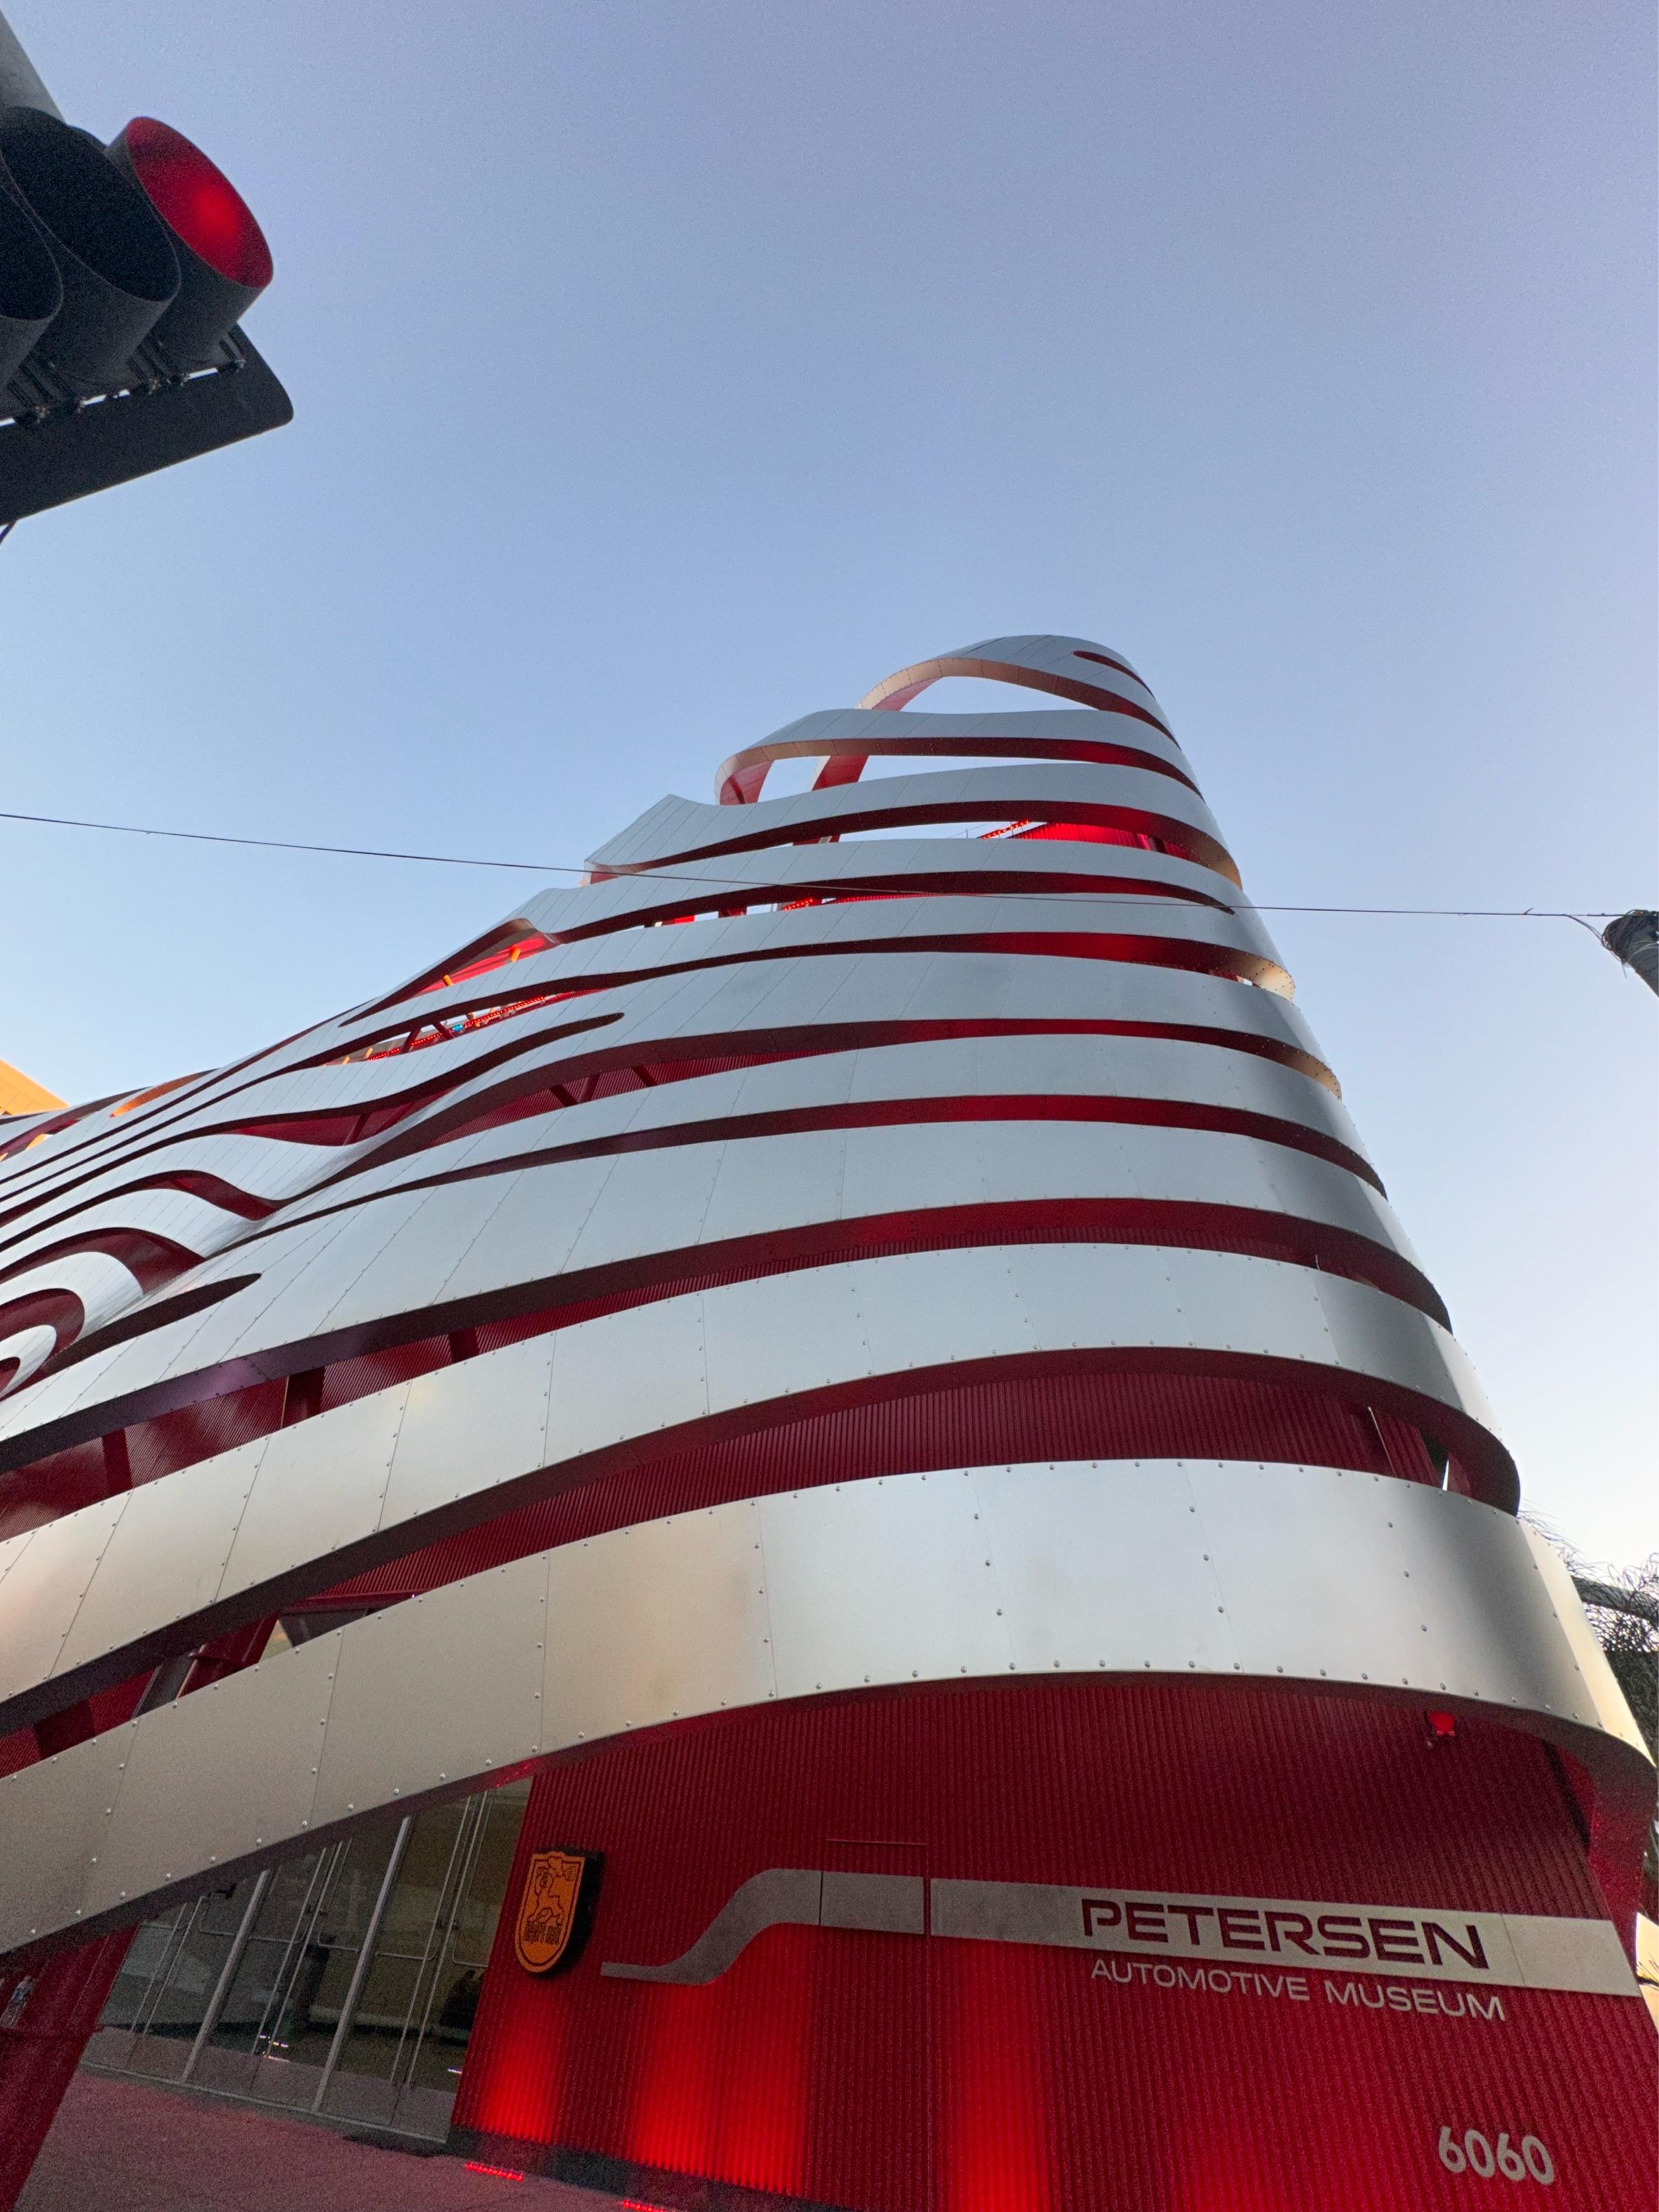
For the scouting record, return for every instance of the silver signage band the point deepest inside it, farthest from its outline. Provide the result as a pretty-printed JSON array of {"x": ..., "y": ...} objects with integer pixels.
[{"x": 1502, "y": 1950}]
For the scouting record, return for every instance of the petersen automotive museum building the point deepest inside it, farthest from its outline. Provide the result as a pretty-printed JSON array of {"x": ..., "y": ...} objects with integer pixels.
[{"x": 800, "y": 1532}]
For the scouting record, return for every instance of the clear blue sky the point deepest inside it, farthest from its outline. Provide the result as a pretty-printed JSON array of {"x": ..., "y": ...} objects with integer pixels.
[{"x": 664, "y": 372}]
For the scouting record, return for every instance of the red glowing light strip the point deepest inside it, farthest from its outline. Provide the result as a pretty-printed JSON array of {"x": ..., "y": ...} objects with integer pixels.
[
  {"x": 501, "y": 2172},
  {"x": 535, "y": 942}
]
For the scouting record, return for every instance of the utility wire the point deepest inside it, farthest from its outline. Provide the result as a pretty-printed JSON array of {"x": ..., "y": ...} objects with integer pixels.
[
  {"x": 290, "y": 844},
  {"x": 740, "y": 883}
]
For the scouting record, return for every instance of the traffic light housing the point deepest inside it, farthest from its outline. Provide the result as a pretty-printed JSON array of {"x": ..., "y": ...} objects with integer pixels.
[{"x": 124, "y": 273}]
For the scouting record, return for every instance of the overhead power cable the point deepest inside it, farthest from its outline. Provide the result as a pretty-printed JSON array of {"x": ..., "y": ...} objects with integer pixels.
[{"x": 708, "y": 882}]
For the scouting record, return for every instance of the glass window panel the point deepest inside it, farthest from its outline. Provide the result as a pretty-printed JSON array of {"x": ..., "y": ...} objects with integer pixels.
[
  {"x": 144, "y": 1970},
  {"x": 414, "y": 2009}
]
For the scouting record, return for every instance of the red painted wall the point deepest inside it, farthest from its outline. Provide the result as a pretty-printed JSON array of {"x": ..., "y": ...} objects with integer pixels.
[{"x": 897, "y": 2074}]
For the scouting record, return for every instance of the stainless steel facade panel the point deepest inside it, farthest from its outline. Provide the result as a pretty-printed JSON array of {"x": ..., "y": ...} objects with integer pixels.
[
  {"x": 1074, "y": 1605},
  {"x": 693, "y": 1590},
  {"x": 841, "y": 1572},
  {"x": 628, "y": 1375},
  {"x": 26, "y": 1351},
  {"x": 483, "y": 1420},
  {"x": 51, "y": 1834},
  {"x": 168, "y": 1821},
  {"x": 176, "y": 1542},
  {"x": 744, "y": 1359},
  {"x": 894, "y": 1904},
  {"x": 728, "y": 1607},
  {"x": 496, "y": 1667},
  {"x": 414, "y": 1239},
  {"x": 45, "y": 1585},
  {"x": 317, "y": 1490},
  {"x": 665, "y": 1206}
]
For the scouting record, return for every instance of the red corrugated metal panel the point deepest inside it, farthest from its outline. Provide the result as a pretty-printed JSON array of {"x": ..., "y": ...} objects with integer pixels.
[
  {"x": 1054, "y": 2088},
  {"x": 348, "y": 1379},
  {"x": 170, "y": 1441},
  {"x": 61, "y": 1484}
]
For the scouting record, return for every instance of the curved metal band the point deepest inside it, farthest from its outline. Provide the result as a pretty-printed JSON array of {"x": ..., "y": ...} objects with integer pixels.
[
  {"x": 94, "y": 1595},
  {"x": 1293, "y": 1576},
  {"x": 828, "y": 1002},
  {"x": 1057, "y": 1073},
  {"x": 821, "y": 1002},
  {"x": 829, "y": 1325},
  {"x": 858, "y": 734},
  {"x": 680, "y": 831},
  {"x": 1007, "y": 865},
  {"x": 605, "y": 1210},
  {"x": 1058, "y": 1067},
  {"x": 1066, "y": 667}
]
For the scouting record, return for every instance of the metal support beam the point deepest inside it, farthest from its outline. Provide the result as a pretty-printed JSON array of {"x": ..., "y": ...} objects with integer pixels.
[
  {"x": 239, "y": 1944},
  {"x": 360, "y": 1972}
]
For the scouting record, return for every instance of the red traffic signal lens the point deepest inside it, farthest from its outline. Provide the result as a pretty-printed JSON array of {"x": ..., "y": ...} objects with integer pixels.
[{"x": 197, "y": 202}]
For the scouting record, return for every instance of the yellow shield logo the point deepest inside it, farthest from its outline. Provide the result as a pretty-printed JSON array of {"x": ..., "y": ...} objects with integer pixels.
[{"x": 555, "y": 1910}]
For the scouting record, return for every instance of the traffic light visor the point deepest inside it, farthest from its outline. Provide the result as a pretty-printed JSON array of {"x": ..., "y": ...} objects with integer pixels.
[
  {"x": 197, "y": 202},
  {"x": 224, "y": 263},
  {"x": 118, "y": 271},
  {"x": 31, "y": 290}
]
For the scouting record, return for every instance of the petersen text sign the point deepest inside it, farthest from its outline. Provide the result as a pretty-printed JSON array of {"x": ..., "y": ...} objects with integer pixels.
[{"x": 1497, "y": 1949}]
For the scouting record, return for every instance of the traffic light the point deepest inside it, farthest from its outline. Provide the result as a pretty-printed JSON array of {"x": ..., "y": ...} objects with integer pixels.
[{"x": 124, "y": 273}]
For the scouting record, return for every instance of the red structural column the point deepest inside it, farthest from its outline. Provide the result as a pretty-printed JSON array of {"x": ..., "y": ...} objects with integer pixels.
[
  {"x": 48, "y": 2011},
  {"x": 46, "y": 2018}
]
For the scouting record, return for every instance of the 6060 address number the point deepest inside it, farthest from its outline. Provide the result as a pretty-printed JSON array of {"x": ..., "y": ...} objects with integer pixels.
[{"x": 1474, "y": 2153}]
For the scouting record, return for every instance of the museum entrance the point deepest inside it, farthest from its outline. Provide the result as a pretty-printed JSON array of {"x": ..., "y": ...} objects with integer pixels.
[{"x": 342, "y": 1983}]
